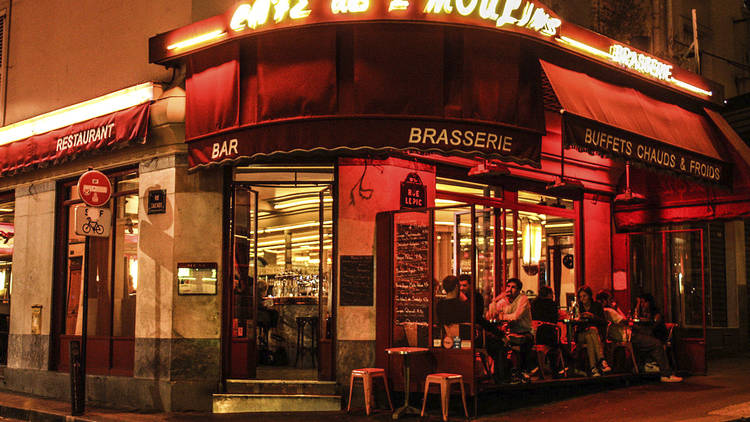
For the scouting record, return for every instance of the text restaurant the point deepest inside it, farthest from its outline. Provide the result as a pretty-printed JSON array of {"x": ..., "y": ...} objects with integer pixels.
[{"x": 390, "y": 164}]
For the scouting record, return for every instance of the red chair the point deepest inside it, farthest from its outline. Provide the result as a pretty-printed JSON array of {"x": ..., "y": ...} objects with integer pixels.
[
  {"x": 367, "y": 375},
  {"x": 542, "y": 350},
  {"x": 444, "y": 381}
]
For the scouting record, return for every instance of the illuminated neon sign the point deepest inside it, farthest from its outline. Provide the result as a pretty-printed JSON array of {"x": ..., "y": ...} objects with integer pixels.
[
  {"x": 530, "y": 16},
  {"x": 247, "y": 16},
  {"x": 640, "y": 62},
  {"x": 635, "y": 61},
  {"x": 508, "y": 15}
]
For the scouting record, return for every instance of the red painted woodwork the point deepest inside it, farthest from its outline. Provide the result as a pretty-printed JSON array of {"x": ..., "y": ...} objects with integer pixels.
[
  {"x": 99, "y": 349},
  {"x": 124, "y": 126}
]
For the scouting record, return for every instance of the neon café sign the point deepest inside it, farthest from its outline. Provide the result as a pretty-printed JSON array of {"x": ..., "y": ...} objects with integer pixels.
[{"x": 504, "y": 14}]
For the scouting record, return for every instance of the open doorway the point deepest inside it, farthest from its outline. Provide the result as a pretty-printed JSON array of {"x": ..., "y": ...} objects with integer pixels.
[{"x": 280, "y": 301}]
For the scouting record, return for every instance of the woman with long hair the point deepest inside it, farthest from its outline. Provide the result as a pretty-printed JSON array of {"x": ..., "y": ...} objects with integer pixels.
[{"x": 590, "y": 321}]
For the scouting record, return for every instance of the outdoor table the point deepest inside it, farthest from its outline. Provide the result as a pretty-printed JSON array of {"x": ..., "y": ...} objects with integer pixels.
[
  {"x": 570, "y": 328},
  {"x": 406, "y": 352}
]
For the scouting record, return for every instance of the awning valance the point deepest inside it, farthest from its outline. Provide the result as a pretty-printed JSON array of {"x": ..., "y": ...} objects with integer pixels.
[
  {"x": 362, "y": 134},
  {"x": 621, "y": 122},
  {"x": 99, "y": 133}
]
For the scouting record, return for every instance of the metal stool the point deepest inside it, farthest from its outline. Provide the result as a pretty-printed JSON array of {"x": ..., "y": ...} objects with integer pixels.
[
  {"x": 445, "y": 381},
  {"x": 367, "y": 374},
  {"x": 302, "y": 322}
]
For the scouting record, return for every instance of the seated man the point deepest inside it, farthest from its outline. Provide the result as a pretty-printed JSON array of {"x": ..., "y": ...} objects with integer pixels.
[{"x": 513, "y": 307}]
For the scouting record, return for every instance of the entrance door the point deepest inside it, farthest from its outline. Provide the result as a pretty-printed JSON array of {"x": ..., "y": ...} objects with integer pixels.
[
  {"x": 281, "y": 314},
  {"x": 243, "y": 297},
  {"x": 325, "y": 294},
  {"x": 669, "y": 265}
]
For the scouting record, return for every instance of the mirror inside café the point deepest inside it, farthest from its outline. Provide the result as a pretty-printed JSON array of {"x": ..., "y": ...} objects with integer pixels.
[{"x": 294, "y": 243}]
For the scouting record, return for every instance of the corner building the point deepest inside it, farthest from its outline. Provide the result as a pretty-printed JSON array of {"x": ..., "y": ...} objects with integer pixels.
[{"x": 316, "y": 170}]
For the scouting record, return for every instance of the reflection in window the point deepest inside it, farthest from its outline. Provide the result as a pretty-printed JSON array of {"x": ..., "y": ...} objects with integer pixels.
[{"x": 113, "y": 262}]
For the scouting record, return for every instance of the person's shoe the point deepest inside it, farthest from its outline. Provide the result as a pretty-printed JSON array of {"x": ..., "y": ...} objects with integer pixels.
[
  {"x": 671, "y": 378},
  {"x": 605, "y": 367},
  {"x": 562, "y": 372},
  {"x": 595, "y": 372},
  {"x": 650, "y": 368},
  {"x": 534, "y": 372},
  {"x": 525, "y": 377}
]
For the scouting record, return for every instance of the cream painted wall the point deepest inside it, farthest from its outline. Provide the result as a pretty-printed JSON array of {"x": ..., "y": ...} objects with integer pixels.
[
  {"x": 64, "y": 52},
  {"x": 33, "y": 260},
  {"x": 356, "y": 230},
  {"x": 198, "y": 225},
  {"x": 155, "y": 253},
  {"x": 193, "y": 215}
]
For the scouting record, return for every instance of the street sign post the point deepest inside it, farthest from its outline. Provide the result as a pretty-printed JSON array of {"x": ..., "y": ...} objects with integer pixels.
[{"x": 95, "y": 190}]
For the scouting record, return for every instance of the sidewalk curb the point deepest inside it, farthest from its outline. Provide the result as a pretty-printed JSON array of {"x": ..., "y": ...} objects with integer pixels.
[{"x": 14, "y": 412}]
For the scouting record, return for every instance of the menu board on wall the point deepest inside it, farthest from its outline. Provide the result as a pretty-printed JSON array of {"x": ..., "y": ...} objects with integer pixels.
[
  {"x": 411, "y": 298},
  {"x": 356, "y": 280}
]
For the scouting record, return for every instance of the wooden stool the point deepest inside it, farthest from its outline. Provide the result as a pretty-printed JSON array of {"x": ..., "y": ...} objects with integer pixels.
[
  {"x": 367, "y": 374},
  {"x": 302, "y": 348},
  {"x": 445, "y": 381}
]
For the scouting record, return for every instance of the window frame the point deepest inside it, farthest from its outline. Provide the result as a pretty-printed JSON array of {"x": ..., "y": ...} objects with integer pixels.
[{"x": 120, "y": 354}]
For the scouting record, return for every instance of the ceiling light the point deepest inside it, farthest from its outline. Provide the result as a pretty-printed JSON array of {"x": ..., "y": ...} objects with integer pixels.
[{"x": 296, "y": 203}]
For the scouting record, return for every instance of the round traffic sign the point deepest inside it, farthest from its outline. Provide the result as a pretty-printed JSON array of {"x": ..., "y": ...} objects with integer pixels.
[{"x": 94, "y": 188}]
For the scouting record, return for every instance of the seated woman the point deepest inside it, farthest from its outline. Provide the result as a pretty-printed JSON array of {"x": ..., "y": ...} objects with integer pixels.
[
  {"x": 649, "y": 332},
  {"x": 590, "y": 321}
]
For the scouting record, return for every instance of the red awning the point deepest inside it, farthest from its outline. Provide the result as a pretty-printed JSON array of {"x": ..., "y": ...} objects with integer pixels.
[
  {"x": 621, "y": 122},
  {"x": 105, "y": 132}
]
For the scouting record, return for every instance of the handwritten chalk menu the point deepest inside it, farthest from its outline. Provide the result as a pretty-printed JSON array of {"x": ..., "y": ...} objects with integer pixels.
[
  {"x": 356, "y": 280},
  {"x": 411, "y": 299}
]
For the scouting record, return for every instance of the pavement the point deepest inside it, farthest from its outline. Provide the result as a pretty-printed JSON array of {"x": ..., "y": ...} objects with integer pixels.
[{"x": 722, "y": 395}]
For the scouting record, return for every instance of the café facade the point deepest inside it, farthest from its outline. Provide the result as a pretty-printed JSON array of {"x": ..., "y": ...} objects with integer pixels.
[{"x": 338, "y": 159}]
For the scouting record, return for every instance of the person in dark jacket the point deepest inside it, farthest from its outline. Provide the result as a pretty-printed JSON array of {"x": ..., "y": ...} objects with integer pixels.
[
  {"x": 544, "y": 309},
  {"x": 452, "y": 310},
  {"x": 649, "y": 334},
  {"x": 545, "y": 313},
  {"x": 588, "y": 326}
]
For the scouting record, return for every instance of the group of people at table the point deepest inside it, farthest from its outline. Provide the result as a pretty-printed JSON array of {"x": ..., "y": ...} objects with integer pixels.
[{"x": 507, "y": 325}]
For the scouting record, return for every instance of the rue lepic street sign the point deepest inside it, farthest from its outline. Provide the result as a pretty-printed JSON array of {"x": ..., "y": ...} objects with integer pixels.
[{"x": 94, "y": 188}]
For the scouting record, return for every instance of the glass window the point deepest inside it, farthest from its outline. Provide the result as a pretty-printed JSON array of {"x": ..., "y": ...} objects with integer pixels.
[
  {"x": 112, "y": 274},
  {"x": 7, "y": 231}
]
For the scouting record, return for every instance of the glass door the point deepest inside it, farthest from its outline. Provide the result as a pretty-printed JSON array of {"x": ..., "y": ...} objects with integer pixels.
[
  {"x": 669, "y": 265},
  {"x": 325, "y": 276},
  {"x": 243, "y": 297}
]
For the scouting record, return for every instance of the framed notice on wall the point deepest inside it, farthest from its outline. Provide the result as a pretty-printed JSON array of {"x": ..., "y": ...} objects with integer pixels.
[
  {"x": 197, "y": 278},
  {"x": 356, "y": 280}
]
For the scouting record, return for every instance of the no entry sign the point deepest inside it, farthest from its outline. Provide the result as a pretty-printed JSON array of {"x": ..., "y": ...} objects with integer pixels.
[{"x": 94, "y": 188}]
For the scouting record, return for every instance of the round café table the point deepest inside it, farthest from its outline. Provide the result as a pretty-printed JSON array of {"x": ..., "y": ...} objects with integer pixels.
[{"x": 406, "y": 352}]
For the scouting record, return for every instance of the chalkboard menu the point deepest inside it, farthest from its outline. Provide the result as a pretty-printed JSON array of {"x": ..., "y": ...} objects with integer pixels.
[
  {"x": 356, "y": 280},
  {"x": 411, "y": 299}
]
